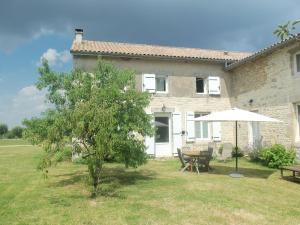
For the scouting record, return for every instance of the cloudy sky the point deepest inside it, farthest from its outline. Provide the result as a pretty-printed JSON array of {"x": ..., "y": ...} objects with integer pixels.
[{"x": 33, "y": 29}]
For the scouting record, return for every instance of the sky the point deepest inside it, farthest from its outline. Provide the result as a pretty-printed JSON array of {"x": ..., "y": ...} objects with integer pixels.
[{"x": 33, "y": 29}]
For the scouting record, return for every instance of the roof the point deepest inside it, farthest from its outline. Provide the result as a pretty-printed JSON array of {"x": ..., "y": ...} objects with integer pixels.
[
  {"x": 143, "y": 50},
  {"x": 264, "y": 51}
]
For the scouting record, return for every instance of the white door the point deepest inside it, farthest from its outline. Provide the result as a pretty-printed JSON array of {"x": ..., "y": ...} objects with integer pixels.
[{"x": 162, "y": 123}]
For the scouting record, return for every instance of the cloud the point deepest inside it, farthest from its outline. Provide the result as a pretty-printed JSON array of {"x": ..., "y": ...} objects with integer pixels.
[
  {"x": 206, "y": 23},
  {"x": 55, "y": 58},
  {"x": 27, "y": 103}
]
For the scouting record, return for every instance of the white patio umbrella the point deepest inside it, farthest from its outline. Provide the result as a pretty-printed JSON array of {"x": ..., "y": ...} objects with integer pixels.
[{"x": 236, "y": 115}]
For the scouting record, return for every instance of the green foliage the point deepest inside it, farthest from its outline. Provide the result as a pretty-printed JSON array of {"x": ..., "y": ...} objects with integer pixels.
[
  {"x": 64, "y": 155},
  {"x": 102, "y": 110},
  {"x": 240, "y": 152},
  {"x": 277, "y": 155},
  {"x": 16, "y": 132},
  {"x": 3, "y": 129},
  {"x": 284, "y": 31}
]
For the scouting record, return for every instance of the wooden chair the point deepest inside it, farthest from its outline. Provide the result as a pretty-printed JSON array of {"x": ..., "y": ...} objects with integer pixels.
[
  {"x": 226, "y": 151},
  {"x": 184, "y": 160},
  {"x": 205, "y": 157}
]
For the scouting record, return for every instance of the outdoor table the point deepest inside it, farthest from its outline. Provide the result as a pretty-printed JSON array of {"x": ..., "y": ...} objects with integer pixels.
[
  {"x": 294, "y": 169},
  {"x": 194, "y": 155}
]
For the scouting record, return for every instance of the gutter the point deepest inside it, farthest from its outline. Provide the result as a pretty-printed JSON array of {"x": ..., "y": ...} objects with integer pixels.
[{"x": 178, "y": 58}]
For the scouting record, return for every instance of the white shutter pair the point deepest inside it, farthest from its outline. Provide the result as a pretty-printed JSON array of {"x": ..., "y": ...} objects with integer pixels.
[
  {"x": 149, "y": 83},
  {"x": 214, "y": 85},
  {"x": 190, "y": 128}
]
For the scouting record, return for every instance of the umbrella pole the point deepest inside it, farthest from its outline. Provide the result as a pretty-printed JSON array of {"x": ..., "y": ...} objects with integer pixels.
[{"x": 236, "y": 147}]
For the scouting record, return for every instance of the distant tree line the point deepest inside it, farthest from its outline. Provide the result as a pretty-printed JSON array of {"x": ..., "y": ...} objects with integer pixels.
[{"x": 15, "y": 132}]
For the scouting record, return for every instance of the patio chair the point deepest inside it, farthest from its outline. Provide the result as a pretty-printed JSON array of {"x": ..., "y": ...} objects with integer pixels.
[
  {"x": 226, "y": 151},
  {"x": 205, "y": 157},
  {"x": 183, "y": 159}
]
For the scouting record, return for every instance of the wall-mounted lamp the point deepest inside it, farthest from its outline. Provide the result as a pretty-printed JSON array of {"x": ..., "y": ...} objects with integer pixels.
[
  {"x": 251, "y": 101},
  {"x": 163, "y": 108}
]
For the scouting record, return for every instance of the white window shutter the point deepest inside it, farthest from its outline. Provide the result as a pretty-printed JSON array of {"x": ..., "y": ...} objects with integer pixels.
[
  {"x": 177, "y": 138},
  {"x": 216, "y": 131},
  {"x": 149, "y": 83},
  {"x": 214, "y": 85},
  {"x": 190, "y": 127},
  {"x": 150, "y": 142}
]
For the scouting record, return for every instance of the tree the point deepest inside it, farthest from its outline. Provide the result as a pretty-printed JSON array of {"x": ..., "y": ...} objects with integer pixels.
[
  {"x": 16, "y": 132},
  {"x": 284, "y": 31},
  {"x": 102, "y": 111},
  {"x": 3, "y": 129}
]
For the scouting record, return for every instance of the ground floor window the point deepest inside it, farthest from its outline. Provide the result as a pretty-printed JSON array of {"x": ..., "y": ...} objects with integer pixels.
[
  {"x": 162, "y": 129},
  {"x": 201, "y": 127}
]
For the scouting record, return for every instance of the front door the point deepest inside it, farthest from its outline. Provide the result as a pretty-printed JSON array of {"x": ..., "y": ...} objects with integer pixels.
[{"x": 162, "y": 135}]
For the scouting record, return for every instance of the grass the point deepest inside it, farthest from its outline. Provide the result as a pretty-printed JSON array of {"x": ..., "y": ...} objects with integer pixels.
[
  {"x": 4, "y": 142},
  {"x": 155, "y": 193}
]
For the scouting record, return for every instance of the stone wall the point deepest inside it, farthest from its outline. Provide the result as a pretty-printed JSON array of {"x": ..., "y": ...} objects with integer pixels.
[
  {"x": 182, "y": 95},
  {"x": 267, "y": 85}
]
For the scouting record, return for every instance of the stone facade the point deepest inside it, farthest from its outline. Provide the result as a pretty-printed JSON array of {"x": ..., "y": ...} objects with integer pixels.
[
  {"x": 267, "y": 85},
  {"x": 181, "y": 96}
]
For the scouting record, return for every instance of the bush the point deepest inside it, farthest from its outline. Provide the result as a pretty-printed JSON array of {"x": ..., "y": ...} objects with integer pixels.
[
  {"x": 277, "y": 155},
  {"x": 240, "y": 152}
]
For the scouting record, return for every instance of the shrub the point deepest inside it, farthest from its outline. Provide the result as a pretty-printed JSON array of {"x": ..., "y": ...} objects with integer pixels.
[
  {"x": 277, "y": 155},
  {"x": 240, "y": 152}
]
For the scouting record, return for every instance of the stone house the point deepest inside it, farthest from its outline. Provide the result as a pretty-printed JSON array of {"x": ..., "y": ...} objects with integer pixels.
[{"x": 186, "y": 83}]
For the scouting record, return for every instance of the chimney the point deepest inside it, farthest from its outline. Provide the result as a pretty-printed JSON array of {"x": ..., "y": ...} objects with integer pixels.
[{"x": 78, "y": 35}]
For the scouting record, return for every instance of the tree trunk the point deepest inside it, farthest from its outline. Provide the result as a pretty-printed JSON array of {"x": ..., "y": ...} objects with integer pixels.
[{"x": 95, "y": 169}]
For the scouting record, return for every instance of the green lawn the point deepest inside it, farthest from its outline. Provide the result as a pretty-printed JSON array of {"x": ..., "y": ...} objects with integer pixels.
[
  {"x": 153, "y": 194},
  {"x": 4, "y": 142}
]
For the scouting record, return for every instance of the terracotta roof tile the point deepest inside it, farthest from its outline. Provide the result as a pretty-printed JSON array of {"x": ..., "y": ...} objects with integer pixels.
[{"x": 126, "y": 49}]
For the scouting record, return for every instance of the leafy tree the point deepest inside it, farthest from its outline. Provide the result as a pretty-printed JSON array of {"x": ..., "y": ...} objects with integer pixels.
[
  {"x": 284, "y": 31},
  {"x": 16, "y": 132},
  {"x": 3, "y": 129},
  {"x": 102, "y": 111}
]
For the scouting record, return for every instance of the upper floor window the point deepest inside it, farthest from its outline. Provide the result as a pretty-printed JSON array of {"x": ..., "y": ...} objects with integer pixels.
[
  {"x": 200, "y": 85},
  {"x": 161, "y": 83},
  {"x": 297, "y": 63},
  {"x": 155, "y": 83}
]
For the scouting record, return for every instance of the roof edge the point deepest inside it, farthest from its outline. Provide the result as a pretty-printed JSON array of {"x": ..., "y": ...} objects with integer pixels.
[
  {"x": 263, "y": 52},
  {"x": 122, "y": 55}
]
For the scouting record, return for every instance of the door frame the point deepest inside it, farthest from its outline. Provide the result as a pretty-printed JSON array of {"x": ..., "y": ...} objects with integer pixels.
[{"x": 170, "y": 143}]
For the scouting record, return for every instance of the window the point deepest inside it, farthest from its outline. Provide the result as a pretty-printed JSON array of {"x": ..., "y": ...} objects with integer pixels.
[
  {"x": 161, "y": 84},
  {"x": 199, "y": 85},
  {"x": 297, "y": 63},
  {"x": 162, "y": 129},
  {"x": 201, "y": 127}
]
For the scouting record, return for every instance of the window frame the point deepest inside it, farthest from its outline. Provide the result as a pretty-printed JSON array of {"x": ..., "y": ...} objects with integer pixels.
[
  {"x": 201, "y": 127},
  {"x": 204, "y": 86},
  {"x": 295, "y": 63},
  {"x": 167, "y": 84}
]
